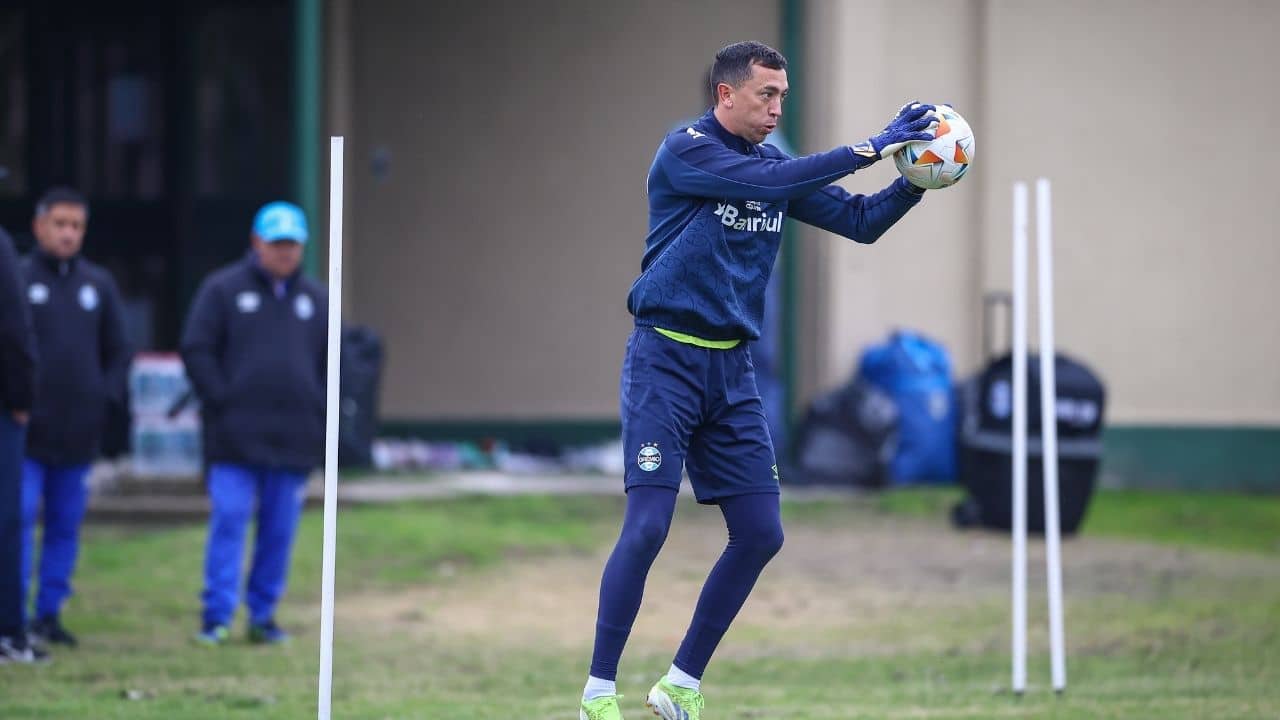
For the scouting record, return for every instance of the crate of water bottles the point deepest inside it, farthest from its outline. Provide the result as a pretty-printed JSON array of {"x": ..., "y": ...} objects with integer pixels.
[{"x": 166, "y": 418}]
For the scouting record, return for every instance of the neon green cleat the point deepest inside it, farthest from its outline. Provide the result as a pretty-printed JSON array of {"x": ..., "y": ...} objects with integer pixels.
[
  {"x": 671, "y": 702},
  {"x": 602, "y": 708}
]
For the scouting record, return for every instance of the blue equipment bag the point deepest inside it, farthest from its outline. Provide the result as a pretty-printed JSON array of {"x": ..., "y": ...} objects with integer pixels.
[{"x": 916, "y": 372}]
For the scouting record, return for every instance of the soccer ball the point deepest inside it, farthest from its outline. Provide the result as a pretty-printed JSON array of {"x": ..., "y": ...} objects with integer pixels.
[{"x": 941, "y": 163}]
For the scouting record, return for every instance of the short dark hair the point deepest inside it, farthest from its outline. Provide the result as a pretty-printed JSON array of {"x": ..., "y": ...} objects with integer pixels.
[
  {"x": 60, "y": 195},
  {"x": 733, "y": 64}
]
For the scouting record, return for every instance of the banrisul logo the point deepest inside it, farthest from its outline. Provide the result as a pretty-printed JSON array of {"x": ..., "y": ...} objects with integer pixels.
[
  {"x": 732, "y": 217},
  {"x": 649, "y": 458}
]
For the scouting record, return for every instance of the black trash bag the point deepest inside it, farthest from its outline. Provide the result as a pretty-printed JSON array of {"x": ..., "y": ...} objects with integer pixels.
[
  {"x": 848, "y": 438},
  {"x": 361, "y": 376}
]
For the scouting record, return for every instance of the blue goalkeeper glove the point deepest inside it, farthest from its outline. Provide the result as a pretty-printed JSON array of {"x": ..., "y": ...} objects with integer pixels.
[{"x": 912, "y": 124}]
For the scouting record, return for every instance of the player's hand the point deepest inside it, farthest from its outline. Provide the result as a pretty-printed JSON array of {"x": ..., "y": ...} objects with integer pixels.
[
  {"x": 21, "y": 417},
  {"x": 912, "y": 124}
]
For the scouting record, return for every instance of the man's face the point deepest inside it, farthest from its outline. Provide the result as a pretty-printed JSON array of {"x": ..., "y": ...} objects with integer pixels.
[
  {"x": 59, "y": 230},
  {"x": 754, "y": 109},
  {"x": 280, "y": 258}
]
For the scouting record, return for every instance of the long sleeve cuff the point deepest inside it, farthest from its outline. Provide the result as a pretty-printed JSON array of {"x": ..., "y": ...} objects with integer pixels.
[{"x": 905, "y": 186}]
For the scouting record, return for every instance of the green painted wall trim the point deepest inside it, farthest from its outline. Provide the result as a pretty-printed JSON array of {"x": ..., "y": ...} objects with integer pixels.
[
  {"x": 793, "y": 42},
  {"x": 1192, "y": 457},
  {"x": 562, "y": 432},
  {"x": 307, "y": 42}
]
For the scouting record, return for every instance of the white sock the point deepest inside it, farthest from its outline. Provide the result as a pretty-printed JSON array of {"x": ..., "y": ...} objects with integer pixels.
[
  {"x": 598, "y": 688},
  {"x": 680, "y": 678}
]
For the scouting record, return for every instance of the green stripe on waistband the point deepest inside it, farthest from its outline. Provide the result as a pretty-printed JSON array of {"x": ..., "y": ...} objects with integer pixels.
[{"x": 691, "y": 340}]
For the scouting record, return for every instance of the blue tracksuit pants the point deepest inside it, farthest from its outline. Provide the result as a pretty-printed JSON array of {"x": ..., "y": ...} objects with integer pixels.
[
  {"x": 61, "y": 491},
  {"x": 238, "y": 493}
]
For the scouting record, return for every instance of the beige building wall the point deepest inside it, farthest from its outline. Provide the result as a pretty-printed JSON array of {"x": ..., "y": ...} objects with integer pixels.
[
  {"x": 1156, "y": 122},
  {"x": 1153, "y": 121},
  {"x": 496, "y": 214}
]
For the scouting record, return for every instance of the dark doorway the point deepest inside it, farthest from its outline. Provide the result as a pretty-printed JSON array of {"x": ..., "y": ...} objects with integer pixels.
[{"x": 173, "y": 118}]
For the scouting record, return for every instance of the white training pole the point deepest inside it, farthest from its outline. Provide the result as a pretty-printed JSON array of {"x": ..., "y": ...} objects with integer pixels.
[
  {"x": 1019, "y": 438},
  {"x": 1049, "y": 432},
  {"x": 333, "y": 372}
]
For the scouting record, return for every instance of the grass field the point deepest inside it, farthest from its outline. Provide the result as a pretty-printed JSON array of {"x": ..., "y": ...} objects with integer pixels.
[{"x": 483, "y": 608}]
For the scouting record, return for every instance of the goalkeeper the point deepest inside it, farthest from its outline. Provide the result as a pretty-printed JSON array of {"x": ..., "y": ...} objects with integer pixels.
[{"x": 717, "y": 197}]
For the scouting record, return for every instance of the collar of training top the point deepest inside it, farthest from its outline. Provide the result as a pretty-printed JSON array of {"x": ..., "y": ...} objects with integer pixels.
[
  {"x": 56, "y": 265},
  {"x": 710, "y": 125},
  {"x": 261, "y": 273}
]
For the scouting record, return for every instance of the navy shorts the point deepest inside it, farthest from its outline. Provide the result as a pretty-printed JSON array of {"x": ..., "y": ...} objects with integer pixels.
[{"x": 691, "y": 407}]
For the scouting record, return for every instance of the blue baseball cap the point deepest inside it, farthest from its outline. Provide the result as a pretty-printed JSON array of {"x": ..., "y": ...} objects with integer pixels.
[{"x": 280, "y": 221}]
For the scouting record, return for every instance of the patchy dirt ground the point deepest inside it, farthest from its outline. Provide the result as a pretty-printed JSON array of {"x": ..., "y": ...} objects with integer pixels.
[{"x": 837, "y": 586}]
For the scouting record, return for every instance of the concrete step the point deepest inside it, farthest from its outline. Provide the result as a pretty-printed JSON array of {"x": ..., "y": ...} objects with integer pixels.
[
  {"x": 148, "y": 509},
  {"x": 130, "y": 504},
  {"x": 130, "y": 486}
]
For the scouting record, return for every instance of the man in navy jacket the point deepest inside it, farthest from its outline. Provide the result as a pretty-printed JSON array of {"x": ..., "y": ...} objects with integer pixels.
[
  {"x": 717, "y": 199},
  {"x": 254, "y": 348},
  {"x": 17, "y": 390},
  {"x": 79, "y": 325}
]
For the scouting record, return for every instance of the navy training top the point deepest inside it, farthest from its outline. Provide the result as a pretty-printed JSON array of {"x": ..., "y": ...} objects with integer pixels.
[{"x": 716, "y": 204}]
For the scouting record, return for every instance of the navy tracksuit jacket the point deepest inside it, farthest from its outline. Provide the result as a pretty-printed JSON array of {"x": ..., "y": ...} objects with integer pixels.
[
  {"x": 17, "y": 337},
  {"x": 79, "y": 325},
  {"x": 257, "y": 362}
]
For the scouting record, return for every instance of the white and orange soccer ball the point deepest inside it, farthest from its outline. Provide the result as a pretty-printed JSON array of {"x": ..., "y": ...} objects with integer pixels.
[{"x": 942, "y": 162}]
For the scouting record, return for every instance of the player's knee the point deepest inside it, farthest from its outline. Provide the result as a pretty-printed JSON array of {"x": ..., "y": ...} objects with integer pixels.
[
  {"x": 765, "y": 541},
  {"x": 645, "y": 536}
]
